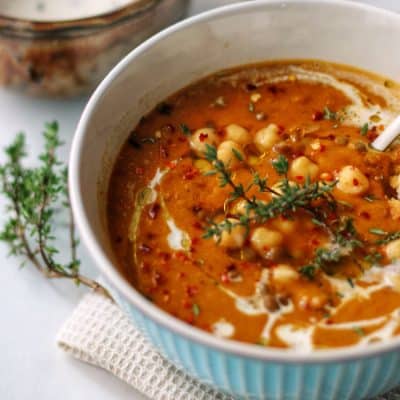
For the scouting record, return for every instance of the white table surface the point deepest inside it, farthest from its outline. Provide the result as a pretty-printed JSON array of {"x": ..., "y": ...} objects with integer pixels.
[{"x": 33, "y": 309}]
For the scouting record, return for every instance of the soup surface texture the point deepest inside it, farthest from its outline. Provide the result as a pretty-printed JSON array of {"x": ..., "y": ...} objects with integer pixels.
[{"x": 250, "y": 205}]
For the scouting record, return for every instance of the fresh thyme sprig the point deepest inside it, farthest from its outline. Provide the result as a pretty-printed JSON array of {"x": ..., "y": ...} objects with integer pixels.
[
  {"x": 288, "y": 198},
  {"x": 386, "y": 237},
  {"x": 225, "y": 176},
  {"x": 35, "y": 197},
  {"x": 345, "y": 242}
]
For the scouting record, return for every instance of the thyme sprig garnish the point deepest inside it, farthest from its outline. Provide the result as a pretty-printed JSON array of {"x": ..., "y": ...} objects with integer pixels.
[
  {"x": 345, "y": 242},
  {"x": 388, "y": 237},
  {"x": 288, "y": 197},
  {"x": 35, "y": 196}
]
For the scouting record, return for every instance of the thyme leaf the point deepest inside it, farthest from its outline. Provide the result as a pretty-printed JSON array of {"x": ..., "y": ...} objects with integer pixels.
[
  {"x": 281, "y": 165},
  {"x": 35, "y": 196}
]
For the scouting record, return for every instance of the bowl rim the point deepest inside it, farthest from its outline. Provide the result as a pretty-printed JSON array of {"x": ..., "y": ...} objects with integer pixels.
[{"x": 154, "y": 313}]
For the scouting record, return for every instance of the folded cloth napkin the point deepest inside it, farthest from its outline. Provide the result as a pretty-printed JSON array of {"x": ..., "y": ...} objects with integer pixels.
[{"x": 99, "y": 333}]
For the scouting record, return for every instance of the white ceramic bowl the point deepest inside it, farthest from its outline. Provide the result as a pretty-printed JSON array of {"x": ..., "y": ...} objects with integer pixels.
[{"x": 243, "y": 33}]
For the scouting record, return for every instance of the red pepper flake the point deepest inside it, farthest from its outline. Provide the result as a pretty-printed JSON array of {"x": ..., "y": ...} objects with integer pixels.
[
  {"x": 315, "y": 242},
  {"x": 299, "y": 178},
  {"x": 187, "y": 304},
  {"x": 355, "y": 182},
  {"x": 154, "y": 210},
  {"x": 198, "y": 225},
  {"x": 225, "y": 278},
  {"x": 365, "y": 214},
  {"x": 203, "y": 137},
  {"x": 190, "y": 173},
  {"x": 195, "y": 240},
  {"x": 192, "y": 290},
  {"x": 317, "y": 116},
  {"x": 139, "y": 171},
  {"x": 181, "y": 275},
  {"x": 181, "y": 256}
]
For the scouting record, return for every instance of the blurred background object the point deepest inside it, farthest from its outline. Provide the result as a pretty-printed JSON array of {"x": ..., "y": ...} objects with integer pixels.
[{"x": 65, "y": 48}]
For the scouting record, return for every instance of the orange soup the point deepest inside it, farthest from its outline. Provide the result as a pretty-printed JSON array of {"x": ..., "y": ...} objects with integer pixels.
[{"x": 252, "y": 206}]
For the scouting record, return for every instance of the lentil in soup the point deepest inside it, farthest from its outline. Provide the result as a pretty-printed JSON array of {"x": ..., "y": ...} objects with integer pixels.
[{"x": 251, "y": 205}]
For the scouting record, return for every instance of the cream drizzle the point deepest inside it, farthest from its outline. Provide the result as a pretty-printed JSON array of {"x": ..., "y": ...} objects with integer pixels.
[
  {"x": 223, "y": 329},
  {"x": 358, "y": 113},
  {"x": 177, "y": 238}
]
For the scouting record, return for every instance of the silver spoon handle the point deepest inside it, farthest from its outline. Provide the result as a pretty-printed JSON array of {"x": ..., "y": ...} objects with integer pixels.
[{"x": 387, "y": 136}]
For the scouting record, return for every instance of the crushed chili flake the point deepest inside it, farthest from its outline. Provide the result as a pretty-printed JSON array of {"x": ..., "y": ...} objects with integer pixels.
[
  {"x": 181, "y": 256},
  {"x": 365, "y": 214},
  {"x": 190, "y": 173},
  {"x": 192, "y": 290},
  {"x": 355, "y": 182},
  {"x": 203, "y": 137},
  {"x": 139, "y": 171},
  {"x": 198, "y": 225},
  {"x": 225, "y": 278},
  {"x": 317, "y": 116},
  {"x": 315, "y": 242}
]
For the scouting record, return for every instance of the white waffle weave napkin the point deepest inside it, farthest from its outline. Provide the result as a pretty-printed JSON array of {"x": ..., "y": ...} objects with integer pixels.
[{"x": 100, "y": 334}]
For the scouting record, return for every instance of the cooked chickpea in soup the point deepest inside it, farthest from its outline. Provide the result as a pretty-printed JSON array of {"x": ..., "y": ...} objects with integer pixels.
[{"x": 251, "y": 205}]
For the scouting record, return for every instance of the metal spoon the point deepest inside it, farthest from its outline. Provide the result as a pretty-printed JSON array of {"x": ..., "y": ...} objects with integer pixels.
[{"x": 383, "y": 141}]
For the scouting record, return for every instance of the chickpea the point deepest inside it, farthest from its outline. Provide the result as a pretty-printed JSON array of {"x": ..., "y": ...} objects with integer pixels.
[
  {"x": 226, "y": 153},
  {"x": 240, "y": 207},
  {"x": 302, "y": 167},
  {"x": 284, "y": 273},
  {"x": 286, "y": 226},
  {"x": 393, "y": 250},
  {"x": 266, "y": 137},
  {"x": 313, "y": 302},
  {"x": 238, "y": 134},
  {"x": 395, "y": 183},
  {"x": 201, "y": 137},
  {"x": 265, "y": 241},
  {"x": 352, "y": 181},
  {"x": 394, "y": 207},
  {"x": 235, "y": 238}
]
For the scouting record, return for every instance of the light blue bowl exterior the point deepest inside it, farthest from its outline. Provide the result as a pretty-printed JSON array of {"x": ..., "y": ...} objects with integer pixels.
[{"x": 253, "y": 379}]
